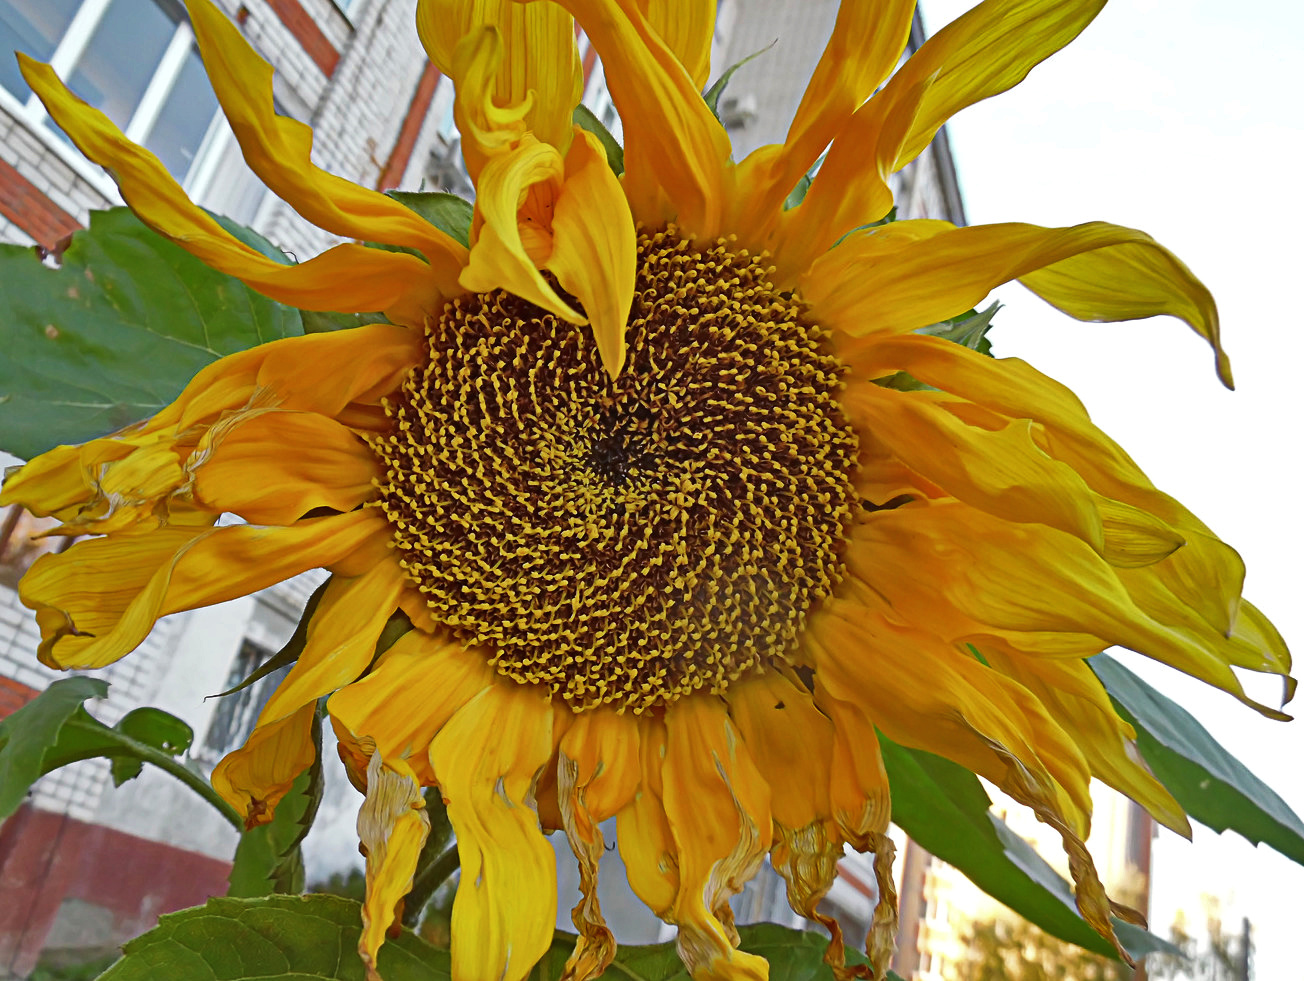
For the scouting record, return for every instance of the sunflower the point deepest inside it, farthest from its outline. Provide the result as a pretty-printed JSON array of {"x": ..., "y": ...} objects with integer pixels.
[{"x": 674, "y": 542}]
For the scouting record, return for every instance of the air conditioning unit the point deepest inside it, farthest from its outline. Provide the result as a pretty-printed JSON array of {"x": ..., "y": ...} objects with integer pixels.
[{"x": 737, "y": 111}]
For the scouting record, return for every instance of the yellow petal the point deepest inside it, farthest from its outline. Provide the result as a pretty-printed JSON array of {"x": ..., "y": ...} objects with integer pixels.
[
  {"x": 1071, "y": 691},
  {"x": 98, "y": 600},
  {"x": 791, "y": 742},
  {"x": 718, "y": 809},
  {"x": 349, "y": 277},
  {"x": 392, "y": 827},
  {"x": 340, "y": 642},
  {"x": 273, "y": 467},
  {"x": 676, "y": 151},
  {"x": 687, "y": 27},
  {"x": 1095, "y": 271},
  {"x": 527, "y": 180},
  {"x": 598, "y": 773},
  {"x": 642, "y": 831},
  {"x": 486, "y": 760},
  {"x": 1050, "y": 582},
  {"x": 867, "y": 40},
  {"x": 532, "y": 83},
  {"x": 410, "y": 694},
  {"x": 278, "y": 149},
  {"x": 595, "y": 247},
  {"x": 1002, "y": 471}
]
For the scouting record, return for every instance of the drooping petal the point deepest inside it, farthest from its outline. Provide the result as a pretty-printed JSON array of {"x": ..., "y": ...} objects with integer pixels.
[
  {"x": 273, "y": 467},
  {"x": 1096, "y": 271},
  {"x": 598, "y": 773},
  {"x": 392, "y": 827},
  {"x": 718, "y": 809},
  {"x": 687, "y": 27},
  {"x": 486, "y": 760},
  {"x": 1050, "y": 582},
  {"x": 278, "y": 149},
  {"x": 340, "y": 642},
  {"x": 676, "y": 151},
  {"x": 349, "y": 277},
  {"x": 1071, "y": 691},
  {"x": 867, "y": 40},
  {"x": 409, "y": 695},
  {"x": 517, "y": 188},
  {"x": 594, "y": 247},
  {"x": 647, "y": 847},
  {"x": 531, "y": 84},
  {"x": 98, "y": 600}
]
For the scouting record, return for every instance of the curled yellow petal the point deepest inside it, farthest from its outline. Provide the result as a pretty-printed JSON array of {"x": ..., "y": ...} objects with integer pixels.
[
  {"x": 349, "y": 277},
  {"x": 892, "y": 282},
  {"x": 278, "y": 149},
  {"x": 392, "y": 827},
  {"x": 594, "y": 246},
  {"x": 486, "y": 760},
  {"x": 517, "y": 190},
  {"x": 522, "y": 75},
  {"x": 676, "y": 151}
]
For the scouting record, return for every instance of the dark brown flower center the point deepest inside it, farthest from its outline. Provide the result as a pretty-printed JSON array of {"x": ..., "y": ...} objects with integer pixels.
[{"x": 625, "y": 542}]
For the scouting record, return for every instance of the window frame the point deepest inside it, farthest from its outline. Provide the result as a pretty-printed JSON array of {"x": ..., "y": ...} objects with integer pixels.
[{"x": 201, "y": 178}]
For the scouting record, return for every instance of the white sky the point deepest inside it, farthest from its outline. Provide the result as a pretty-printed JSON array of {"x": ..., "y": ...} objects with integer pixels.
[{"x": 1181, "y": 118}]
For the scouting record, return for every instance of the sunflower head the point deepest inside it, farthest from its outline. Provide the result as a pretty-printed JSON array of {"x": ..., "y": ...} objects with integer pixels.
[{"x": 674, "y": 549}]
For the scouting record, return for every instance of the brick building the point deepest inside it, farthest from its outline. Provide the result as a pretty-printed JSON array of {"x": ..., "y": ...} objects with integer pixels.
[{"x": 81, "y": 864}]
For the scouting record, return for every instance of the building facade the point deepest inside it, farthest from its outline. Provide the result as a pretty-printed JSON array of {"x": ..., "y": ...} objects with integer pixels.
[{"x": 382, "y": 117}]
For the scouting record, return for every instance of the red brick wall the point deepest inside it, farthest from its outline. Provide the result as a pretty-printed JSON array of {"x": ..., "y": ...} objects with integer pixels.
[
  {"x": 47, "y": 859},
  {"x": 14, "y": 695},
  {"x": 407, "y": 136},
  {"x": 305, "y": 30},
  {"x": 23, "y": 203}
]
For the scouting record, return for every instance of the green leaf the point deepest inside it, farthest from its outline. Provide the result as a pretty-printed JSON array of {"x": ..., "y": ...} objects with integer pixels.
[
  {"x": 712, "y": 95},
  {"x": 54, "y": 729},
  {"x": 583, "y": 117},
  {"x": 269, "y": 858},
  {"x": 969, "y": 329},
  {"x": 944, "y": 808},
  {"x": 153, "y": 727},
  {"x": 114, "y": 333},
  {"x": 447, "y": 212},
  {"x": 1212, "y": 786},
  {"x": 271, "y": 938},
  {"x": 28, "y": 735}
]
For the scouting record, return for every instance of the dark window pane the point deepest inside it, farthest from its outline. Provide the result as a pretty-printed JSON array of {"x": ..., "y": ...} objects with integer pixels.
[
  {"x": 185, "y": 117},
  {"x": 33, "y": 27},
  {"x": 121, "y": 57}
]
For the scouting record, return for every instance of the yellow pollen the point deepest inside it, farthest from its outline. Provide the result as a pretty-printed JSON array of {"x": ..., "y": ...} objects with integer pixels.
[{"x": 625, "y": 542}]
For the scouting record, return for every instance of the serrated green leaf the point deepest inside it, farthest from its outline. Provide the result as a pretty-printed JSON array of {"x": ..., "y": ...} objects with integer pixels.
[
  {"x": 1212, "y": 786},
  {"x": 447, "y": 212},
  {"x": 153, "y": 727},
  {"x": 271, "y": 938},
  {"x": 583, "y": 117},
  {"x": 944, "y": 808},
  {"x": 269, "y": 858},
  {"x": 28, "y": 735},
  {"x": 712, "y": 95},
  {"x": 114, "y": 333}
]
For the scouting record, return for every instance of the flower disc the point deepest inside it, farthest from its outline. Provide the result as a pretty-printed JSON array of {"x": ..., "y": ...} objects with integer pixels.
[{"x": 625, "y": 541}]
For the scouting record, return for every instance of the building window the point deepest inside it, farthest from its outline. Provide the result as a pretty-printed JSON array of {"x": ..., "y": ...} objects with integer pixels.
[
  {"x": 236, "y": 713},
  {"x": 137, "y": 62}
]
